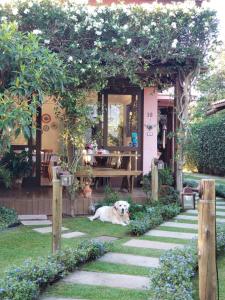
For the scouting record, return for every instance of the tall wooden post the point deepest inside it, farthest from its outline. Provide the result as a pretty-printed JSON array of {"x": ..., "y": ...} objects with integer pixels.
[
  {"x": 56, "y": 212},
  {"x": 155, "y": 180},
  {"x": 207, "y": 241}
]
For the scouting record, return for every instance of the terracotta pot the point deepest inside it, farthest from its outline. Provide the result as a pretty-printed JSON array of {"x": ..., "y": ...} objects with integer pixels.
[{"x": 87, "y": 191}]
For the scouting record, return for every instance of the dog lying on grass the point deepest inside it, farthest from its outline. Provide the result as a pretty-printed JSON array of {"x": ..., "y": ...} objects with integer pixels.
[{"x": 116, "y": 214}]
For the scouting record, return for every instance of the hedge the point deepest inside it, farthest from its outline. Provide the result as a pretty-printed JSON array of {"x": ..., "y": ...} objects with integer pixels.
[
  {"x": 27, "y": 281},
  {"x": 173, "y": 279},
  {"x": 152, "y": 217},
  {"x": 220, "y": 188},
  {"x": 8, "y": 218},
  {"x": 205, "y": 148}
]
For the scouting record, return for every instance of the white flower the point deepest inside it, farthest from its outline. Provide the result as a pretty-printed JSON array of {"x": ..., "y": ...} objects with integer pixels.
[
  {"x": 153, "y": 23},
  {"x": 47, "y": 42},
  {"x": 26, "y": 11},
  {"x": 37, "y": 31},
  {"x": 4, "y": 19},
  {"x": 70, "y": 58},
  {"x": 14, "y": 11},
  {"x": 174, "y": 25},
  {"x": 114, "y": 40},
  {"x": 82, "y": 70},
  {"x": 174, "y": 43},
  {"x": 125, "y": 27},
  {"x": 129, "y": 41},
  {"x": 80, "y": 61},
  {"x": 30, "y": 4},
  {"x": 98, "y": 32}
]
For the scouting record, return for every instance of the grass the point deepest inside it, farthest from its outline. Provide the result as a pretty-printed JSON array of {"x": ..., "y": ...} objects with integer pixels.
[
  {"x": 198, "y": 177},
  {"x": 93, "y": 293}
]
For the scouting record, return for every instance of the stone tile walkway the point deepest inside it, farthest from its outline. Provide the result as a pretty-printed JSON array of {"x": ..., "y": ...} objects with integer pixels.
[
  {"x": 179, "y": 225},
  {"x": 32, "y": 217},
  {"x": 47, "y": 229},
  {"x": 171, "y": 234},
  {"x": 129, "y": 259},
  {"x": 108, "y": 280},
  {"x": 36, "y": 222},
  {"x": 151, "y": 244},
  {"x": 74, "y": 234}
]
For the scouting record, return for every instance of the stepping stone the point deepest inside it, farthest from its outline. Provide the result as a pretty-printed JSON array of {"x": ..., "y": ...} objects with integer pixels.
[
  {"x": 152, "y": 244},
  {"x": 105, "y": 238},
  {"x": 218, "y": 213},
  {"x": 36, "y": 222},
  {"x": 74, "y": 234},
  {"x": 32, "y": 217},
  {"x": 57, "y": 298},
  {"x": 180, "y": 225},
  {"x": 129, "y": 259},
  {"x": 222, "y": 207},
  {"x": 171, "y": 234},
  {"x": 108, "y": 280},
  {"x": 185, "y": 217},
  {"x": 47, "y": 229},
  {"x": 218, "y": 220}
]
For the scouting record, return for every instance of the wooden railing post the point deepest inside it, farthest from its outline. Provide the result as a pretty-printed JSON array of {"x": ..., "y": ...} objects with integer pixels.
[
  {"x": 207, "y": 241},
  {"x": 154, "y": 181},
  {"x": 56, "y": 212}
]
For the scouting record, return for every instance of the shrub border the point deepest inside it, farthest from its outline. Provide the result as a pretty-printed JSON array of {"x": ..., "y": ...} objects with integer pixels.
[{"x": 27, "y": 281}]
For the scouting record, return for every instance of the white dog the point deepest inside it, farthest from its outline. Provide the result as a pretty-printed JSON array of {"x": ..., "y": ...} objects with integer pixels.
[{"x": 117, "y": 214}]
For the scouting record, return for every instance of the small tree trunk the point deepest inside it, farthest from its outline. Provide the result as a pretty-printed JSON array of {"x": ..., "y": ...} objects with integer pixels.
[
  {"x": 179, "y": 169},
  {"x": 155, "y": 181}
]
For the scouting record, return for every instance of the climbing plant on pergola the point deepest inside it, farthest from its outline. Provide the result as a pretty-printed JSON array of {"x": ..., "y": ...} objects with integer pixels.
[{"x": 160, "y": 45}]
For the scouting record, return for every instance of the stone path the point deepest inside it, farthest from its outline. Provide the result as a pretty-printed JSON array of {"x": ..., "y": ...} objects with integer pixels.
[
  {"x": 36, "y": 222},
  {"x": 108, "y": 279},
  {"x": 70, "y": 235},
  {"x": 171, "y": 229},
  {"x": 47, "y": 229},
  {"x": 129, "y": 259},
  {"x": 171, "y": 234},
  {"x": 151, "y": 244},
  {"x": 32, "y": 217}
]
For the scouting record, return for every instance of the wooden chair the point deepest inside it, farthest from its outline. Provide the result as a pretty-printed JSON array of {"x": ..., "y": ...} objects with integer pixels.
[{"x": 45, "y": 162}]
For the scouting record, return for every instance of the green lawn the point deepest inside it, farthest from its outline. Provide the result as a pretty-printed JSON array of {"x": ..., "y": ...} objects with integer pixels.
[{"x": 198, "y": 176}]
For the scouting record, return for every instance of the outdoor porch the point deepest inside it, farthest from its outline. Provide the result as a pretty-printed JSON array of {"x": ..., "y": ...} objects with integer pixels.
[{"x": 38, "y": 200}]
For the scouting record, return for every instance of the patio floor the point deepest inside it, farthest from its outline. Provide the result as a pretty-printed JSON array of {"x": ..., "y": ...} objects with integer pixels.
[{"x": 37, "y": 200}]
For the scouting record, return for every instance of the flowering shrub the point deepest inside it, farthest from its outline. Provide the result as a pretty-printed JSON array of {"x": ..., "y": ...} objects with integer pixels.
[
  {"x": 173, "y": 279},
  {"x": 151, "y": 217},
  {"x": 8, "y": 217},
  {"x": 26, "y": 282}
]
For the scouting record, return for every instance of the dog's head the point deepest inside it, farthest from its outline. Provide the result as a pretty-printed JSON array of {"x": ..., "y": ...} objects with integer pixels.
[{"x": 122, "y": 207}]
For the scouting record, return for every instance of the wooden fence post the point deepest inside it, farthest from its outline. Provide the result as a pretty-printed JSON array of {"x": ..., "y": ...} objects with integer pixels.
[
  {"x": 155, "y": 183},
  {"x": 56, "y": 212},
  {"x": 207, "y": 241}
]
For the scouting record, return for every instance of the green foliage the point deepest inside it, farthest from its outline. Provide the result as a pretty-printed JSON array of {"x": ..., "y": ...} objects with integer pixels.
[
  {"x": 16, "y": 163},
  {"x": 165, "y": 177},
  {"x": 28, "y": 71},
  {"x": 26, "y": 282},
  {"x": 151, "y": 217},
  {"x": 5, "y": 177},
  {"x": 168, "y": 195},
  {"x": 205, "y": 146},
  {"x": 191, "y": 183},
  {"x": 8, "y": 217},
  {"x": 110, "y": 196},
  {"x": 173, "y": 279}
]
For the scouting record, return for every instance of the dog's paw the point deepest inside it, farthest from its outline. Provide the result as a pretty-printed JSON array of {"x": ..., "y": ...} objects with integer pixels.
[{"x": 91, "y": 218}]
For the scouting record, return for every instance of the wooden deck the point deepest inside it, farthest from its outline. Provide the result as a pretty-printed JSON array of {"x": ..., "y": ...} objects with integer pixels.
[{"x": 39, "y": 200}]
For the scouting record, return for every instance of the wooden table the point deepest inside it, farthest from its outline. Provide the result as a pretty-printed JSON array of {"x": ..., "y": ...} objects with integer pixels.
[{"x": 105, "y": 172}]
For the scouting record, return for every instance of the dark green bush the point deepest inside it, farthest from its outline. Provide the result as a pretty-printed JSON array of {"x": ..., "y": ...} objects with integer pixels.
[
  {"x": 173, "y": 279},
  {"x": 151, "y": 217},
  {"x": 190, "y": 182},
  {"x": 26, "y": 282},
  {"x": 8, "y": 217},
  {"x": 168, "y": 195},
  {"x": 165, "y": 177},
  {"x": 205, "y": 148}
]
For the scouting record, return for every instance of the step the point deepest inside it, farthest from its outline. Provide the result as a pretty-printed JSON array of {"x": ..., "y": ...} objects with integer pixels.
[
  {"x": 32, "y": 217},
  {"x": 152, "y": 244},
  {"x": 47, "y": 229},
  {"x": 171, "y": 234},
  {"x": 221, "y": 207},
  {"x": 186, "y": 217},
  {"x": 108, "y": 280},
  {"x": 129, "y": 259},
  {"x": 74, "y": 234},
  {"x": 59, "y": 298},
  {"x": 36, "y": 222},
  {"x": 218, "y": 213},
  {"x": 180, "y": 225}
]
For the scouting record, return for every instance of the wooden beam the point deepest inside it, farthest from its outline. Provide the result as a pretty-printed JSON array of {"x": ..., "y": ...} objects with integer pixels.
[
  {"x": 154, "y": 181},
  {"x": 207, "y": 241}
]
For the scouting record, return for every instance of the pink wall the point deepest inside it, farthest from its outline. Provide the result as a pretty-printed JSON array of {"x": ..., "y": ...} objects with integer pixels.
[{"x": 150, "y": 136}]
